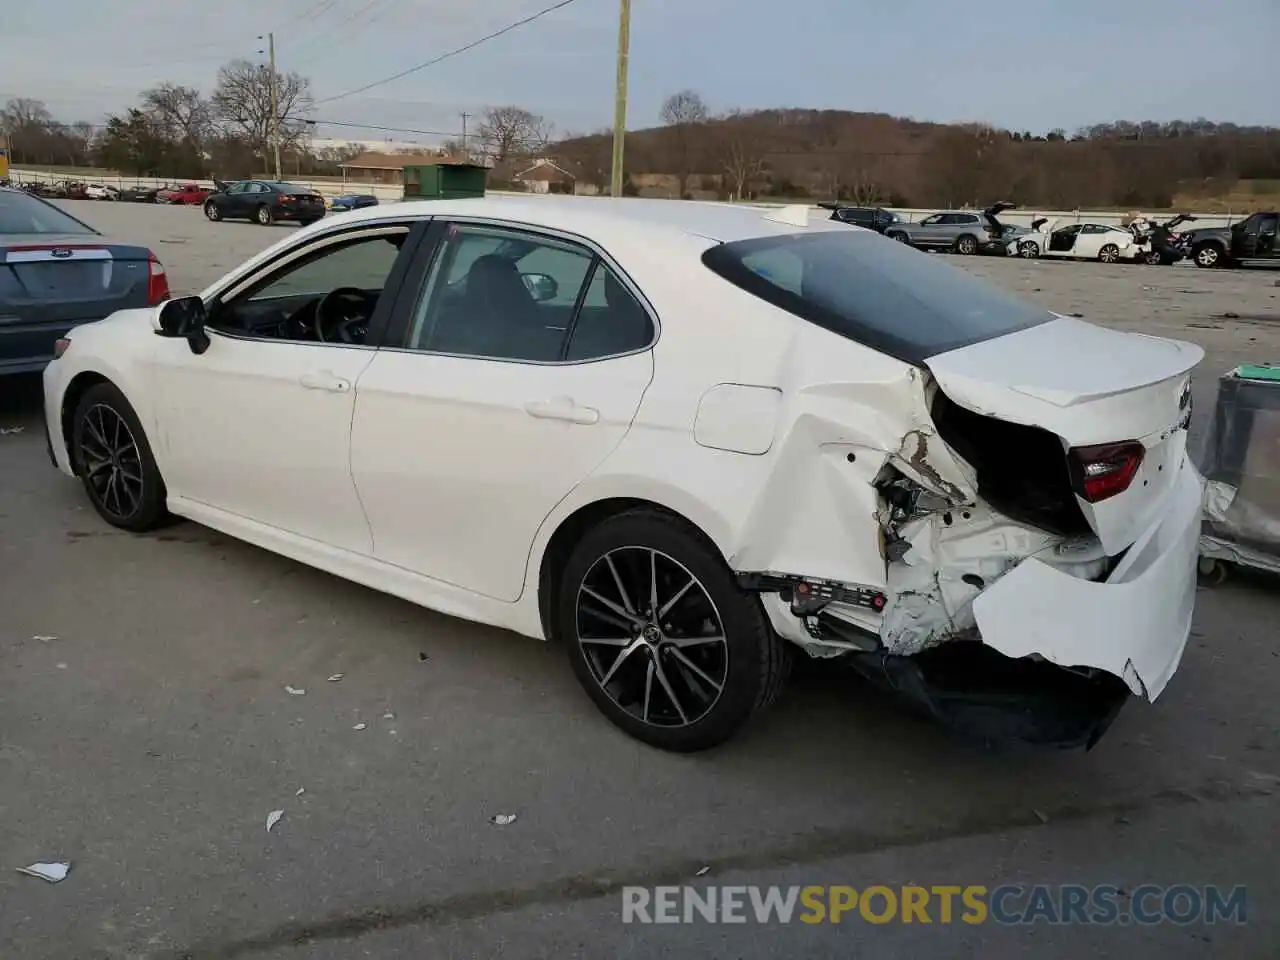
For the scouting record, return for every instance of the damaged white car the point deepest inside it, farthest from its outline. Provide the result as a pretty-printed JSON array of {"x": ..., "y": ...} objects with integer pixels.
[
  {"x": 1077, "y": 241},
  {"x": 687, "y": 440}
]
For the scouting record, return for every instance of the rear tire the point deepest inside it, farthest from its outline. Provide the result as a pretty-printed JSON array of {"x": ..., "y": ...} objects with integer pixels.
[
  {"x": 687, "y": 678},
  {"x": 899, "y": 236},
  {"x": 967, "y": 246},
  {"x": 264, "y": 216},
  {"x": 1209, "y": 256},
  {"x": 111, "y": 455}
]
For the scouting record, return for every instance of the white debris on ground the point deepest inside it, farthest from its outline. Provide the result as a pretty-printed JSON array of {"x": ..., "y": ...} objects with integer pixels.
[
  {"x": 502, "y": 819},
  {"x": 54, "y": 872},
  {"x": 295, "y": 691},
  {"x": 335, "y": 678},
  {"x": 273, "y": 818},
  {"x": 360, "y": 726},
  {"x": 44, "y": 638},
  {"x": 301, "y": 791},
  {"x": 6, "y": 431}
]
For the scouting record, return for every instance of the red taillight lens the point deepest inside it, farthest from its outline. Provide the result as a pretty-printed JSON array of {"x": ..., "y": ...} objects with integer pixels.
[
  {"x": 157, "y": 283},
  {"x": 1100, "y": 472},
  {"x": 60, "y": 347}
]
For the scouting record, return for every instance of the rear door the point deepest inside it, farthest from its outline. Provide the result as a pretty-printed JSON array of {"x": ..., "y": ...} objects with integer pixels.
[
  {"x": 522, "y": 358},
  {"x": 50, "y": 285}
]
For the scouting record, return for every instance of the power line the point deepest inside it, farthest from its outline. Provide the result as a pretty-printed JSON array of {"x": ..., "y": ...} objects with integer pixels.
[{"x": 452, "y": 53}]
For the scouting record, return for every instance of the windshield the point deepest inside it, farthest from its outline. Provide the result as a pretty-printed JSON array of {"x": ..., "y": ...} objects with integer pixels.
[
  {"x": 876, "y": 291},
  {"x": 25, "y": 215}
]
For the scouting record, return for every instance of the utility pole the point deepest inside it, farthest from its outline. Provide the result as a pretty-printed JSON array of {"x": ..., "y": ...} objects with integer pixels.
[
  {"x": 620, "y": 102},
  {"x": 275, "y": 104},
  {"x": 465, "y": 153}
]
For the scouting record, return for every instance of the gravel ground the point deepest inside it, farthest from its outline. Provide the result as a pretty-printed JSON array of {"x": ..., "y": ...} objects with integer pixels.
[{"x": 149, "y": 733}]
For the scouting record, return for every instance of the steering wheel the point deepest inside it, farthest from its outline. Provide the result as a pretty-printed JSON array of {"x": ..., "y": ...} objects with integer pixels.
[{"x": 334, "y": 324}]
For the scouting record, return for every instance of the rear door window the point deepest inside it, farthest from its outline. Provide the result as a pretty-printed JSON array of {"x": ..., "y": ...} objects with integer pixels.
[{"x": 873, "y": 290}]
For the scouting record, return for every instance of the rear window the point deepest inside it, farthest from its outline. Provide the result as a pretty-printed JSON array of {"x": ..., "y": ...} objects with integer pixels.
[
  {"x": 876, "y": 291},
  {"x": 292, "y": 188},
  {"x": 22, "y": 214}
]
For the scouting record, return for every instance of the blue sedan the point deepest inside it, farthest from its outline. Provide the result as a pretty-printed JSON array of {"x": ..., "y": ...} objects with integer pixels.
[{"x": 353, "y": 201}]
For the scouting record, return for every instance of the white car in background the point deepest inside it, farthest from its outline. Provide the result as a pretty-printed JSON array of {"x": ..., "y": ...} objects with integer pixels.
[
  {"x": 1078, "y": 241},
  {"x": 688, "y": 441},
  {"x": 98, "y": 191}
]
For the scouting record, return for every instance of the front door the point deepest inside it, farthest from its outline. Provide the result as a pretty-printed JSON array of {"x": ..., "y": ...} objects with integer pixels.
[
  {"x": 259, "y": 425},
  {"x": 523, "y": 360}
]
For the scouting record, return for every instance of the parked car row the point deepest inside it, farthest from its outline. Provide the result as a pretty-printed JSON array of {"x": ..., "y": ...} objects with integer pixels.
[{"x": 970, "y": 232}]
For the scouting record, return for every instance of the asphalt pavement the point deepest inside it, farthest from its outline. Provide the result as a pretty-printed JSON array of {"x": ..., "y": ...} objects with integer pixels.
[{"x": 147, "y": 729}]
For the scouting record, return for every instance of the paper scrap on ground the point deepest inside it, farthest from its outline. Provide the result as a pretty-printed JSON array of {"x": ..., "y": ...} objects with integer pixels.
[
  {"x": 5, "y": 431},
  {"x": 359, "y": 726},
  {"x": 294, "y": 691},
  {"x": 335, "y": 678},
  {"x": 301, "y": 791},
  {"x": 388, "y": 716},
  {"x": 43, "y": 638},
  {"x": 703, "y": 872},
  {"x": 273, "y": 818},
  {"x": 53, "y": 872},
  {"x": 502, "y": 819}
]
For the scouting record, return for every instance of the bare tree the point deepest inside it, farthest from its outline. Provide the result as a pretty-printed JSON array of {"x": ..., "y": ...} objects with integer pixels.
[
  {"x": 686, "y": 115},
  {"x": 242, "y": 104},
  {"x": 182, "y": 112},
  {"x": 742, "y": 152},
  {"x": 509, "y": 131},
  {"x": 28, "y": 124}
]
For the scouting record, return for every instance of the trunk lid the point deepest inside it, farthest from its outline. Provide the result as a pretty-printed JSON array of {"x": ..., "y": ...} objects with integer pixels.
[
  {"x": 48, "y": 284},
  {"x": 1087, "y": 386}
]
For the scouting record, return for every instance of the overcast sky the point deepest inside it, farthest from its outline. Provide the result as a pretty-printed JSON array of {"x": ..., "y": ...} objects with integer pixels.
[{"x": 1024, "y": 64}]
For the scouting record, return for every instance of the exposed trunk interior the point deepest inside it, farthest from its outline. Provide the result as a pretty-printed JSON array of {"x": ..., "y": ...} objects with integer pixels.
[{"x": 1022, "y": 471}]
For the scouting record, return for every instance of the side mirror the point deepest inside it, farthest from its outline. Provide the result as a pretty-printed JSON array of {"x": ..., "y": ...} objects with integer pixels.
[
  {"x": 540, "y": 286},
  {"x": 184, "y": 319}
]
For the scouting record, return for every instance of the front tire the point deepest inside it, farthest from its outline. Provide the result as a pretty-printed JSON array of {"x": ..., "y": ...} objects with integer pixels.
[
  {"x": 264, "y": 216},
  {"x": 661, "y": 637},
  {"x": 967, "y": 246},
  {"x": 212, "y": 212},
  {"x": 1028, "y": 250},
  {"x": 113, "y": 459},
  {"x": 899, "y": 236}
]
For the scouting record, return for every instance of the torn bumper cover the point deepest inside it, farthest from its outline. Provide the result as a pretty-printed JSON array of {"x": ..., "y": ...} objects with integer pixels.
[{"x": 1053, "y": 657}]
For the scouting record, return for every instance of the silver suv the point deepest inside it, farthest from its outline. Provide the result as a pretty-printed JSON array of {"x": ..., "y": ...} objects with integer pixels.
[{"x": 964, "y": 231}]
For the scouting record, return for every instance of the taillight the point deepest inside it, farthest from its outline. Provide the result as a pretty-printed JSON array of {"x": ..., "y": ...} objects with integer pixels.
[
  {"x": 1103, "y": 471},
  {"x": 157, "y": 282},
  {"x": 60, "y": 346}
]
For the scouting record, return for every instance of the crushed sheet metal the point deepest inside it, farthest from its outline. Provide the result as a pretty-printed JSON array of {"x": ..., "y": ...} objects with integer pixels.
[
  {"x": 1134, "y": 626},
  {"x": 54, "y": 872}
]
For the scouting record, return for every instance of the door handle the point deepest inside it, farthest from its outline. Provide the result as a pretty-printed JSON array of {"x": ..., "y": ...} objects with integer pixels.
[
  {"x": 562, "y": 408},
  {"x": 324, "y": 380}
]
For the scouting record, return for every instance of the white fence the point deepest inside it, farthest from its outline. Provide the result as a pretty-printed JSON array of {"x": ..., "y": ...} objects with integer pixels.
[{"x": 387, "y": 192}]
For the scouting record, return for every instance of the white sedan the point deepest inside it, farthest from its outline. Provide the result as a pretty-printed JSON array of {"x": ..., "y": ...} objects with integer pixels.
[
  {"x": 1078, "y": 241},
  {"x": 686, "y": 440}
]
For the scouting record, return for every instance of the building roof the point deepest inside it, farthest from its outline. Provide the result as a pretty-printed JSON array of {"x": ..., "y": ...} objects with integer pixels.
[{"x": 372, "y": 160}]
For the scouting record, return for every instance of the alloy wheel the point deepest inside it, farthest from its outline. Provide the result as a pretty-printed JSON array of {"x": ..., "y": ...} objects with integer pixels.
[
  {"x": 111, "y": 461},
  {"x": 1207, "y": 257},
  {"x": 1028, "y": 250},
  {"x": 652, "y": 637},
  {"x": 967, "y": 246},
  {"x": 1109, "y": 254}
]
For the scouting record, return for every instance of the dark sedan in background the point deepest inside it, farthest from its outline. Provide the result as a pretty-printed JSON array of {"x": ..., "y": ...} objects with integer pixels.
[
  {"x": 352, "y": 201},
  {"x": 265, "y": 202},
  {"x": 57, "y": 272}
]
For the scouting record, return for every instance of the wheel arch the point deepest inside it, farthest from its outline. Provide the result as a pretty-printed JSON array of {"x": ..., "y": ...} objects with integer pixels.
[
  {"x": 79, "y": 385},
  {"x": 570, "y": 530}
]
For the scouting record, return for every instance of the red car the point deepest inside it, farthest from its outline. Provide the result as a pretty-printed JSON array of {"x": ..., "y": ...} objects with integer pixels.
[{"x": 188, "y": 193}]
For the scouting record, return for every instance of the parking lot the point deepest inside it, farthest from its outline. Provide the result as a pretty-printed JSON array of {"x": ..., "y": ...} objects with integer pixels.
[{"x": 146, "y": 732}]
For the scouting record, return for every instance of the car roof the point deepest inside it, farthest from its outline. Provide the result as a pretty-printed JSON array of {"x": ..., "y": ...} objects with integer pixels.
[{"x": 597, "y": 217}]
